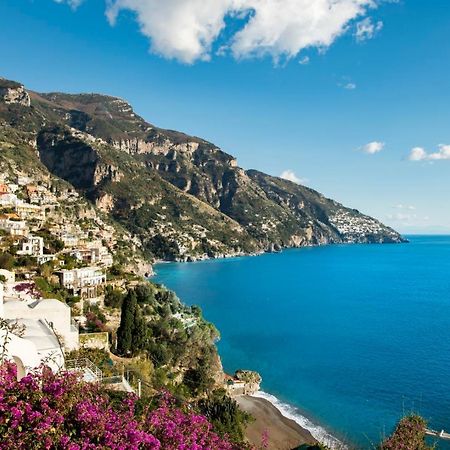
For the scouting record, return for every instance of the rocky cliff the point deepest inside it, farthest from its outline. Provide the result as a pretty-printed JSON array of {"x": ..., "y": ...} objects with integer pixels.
[{"x": 182, "y": 196}]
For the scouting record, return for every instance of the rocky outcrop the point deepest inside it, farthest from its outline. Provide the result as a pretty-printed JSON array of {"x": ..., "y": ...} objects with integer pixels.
[
  {"x": 244, "y": 382},
  {"x": 13, "y": 93}
]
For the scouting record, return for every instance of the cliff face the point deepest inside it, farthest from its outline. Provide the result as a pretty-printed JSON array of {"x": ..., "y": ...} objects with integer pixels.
[
  {"x": 12, "y": 92},
  {"x": 181, "y": 195}
]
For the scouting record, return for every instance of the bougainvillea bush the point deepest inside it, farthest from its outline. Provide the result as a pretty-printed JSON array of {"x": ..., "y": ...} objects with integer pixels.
[
  {"x": 48, "y": 411},
  {"x": 408, "y": 435}
]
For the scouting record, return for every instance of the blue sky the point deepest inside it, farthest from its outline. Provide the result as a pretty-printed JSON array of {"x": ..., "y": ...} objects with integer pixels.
[{"x": 232, "y": 74}]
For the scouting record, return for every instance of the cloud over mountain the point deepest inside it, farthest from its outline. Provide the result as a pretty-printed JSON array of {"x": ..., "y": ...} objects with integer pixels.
[
  {"x": 291, "y": 176},
  {"x": 187, "y": 30}
]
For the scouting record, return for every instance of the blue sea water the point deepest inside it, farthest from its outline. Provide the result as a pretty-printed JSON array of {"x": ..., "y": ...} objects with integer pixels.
[{"x": 352, "y": 336}]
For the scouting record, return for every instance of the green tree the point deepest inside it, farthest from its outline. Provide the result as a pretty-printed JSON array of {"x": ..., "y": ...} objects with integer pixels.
[
  {"x": 132, "y": 333},
  {"x": 126, "y": 327},
  {"x": 198, "y": 380},
  {"x": 113, "y": 297},
  {"x": 139, "y": 334},
  {"x": 144, "y": 293},
  {"x": 6, "y": 261},
  {"x": 225, "y": 415}
]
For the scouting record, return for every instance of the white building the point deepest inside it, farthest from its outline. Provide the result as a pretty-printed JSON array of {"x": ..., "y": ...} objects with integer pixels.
[
  {"x": 33, "y": 246},
  {"x": 54, "y": 313},
  {"x": 94, "y": 254},
  {"x": 70, "y": 240},
  {"x": 28, "y": 341},
  {"x": 85, "y": 282},
  {"x": 8, "y": 200},
  {"x": 23, "y": 180},
  {"x": 14, "y": 227},
  {"x": 42, "y": 259},
  {"x": 28, "y": 211}
]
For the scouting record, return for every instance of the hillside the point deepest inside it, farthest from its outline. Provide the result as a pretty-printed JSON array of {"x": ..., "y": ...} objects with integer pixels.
[{"x": 180, "y": 196}]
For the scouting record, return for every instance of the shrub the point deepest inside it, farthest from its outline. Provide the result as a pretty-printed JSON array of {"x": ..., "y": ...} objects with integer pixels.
[
  {"x": 226, "y": 416},
  {"x": 6, "y": 261},
  {"x": 409, "y": 434},
  {"x": 59, "y": 411}
]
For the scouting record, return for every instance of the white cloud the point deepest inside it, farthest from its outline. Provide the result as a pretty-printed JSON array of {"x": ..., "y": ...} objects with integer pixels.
[
  {"x": 373, "y": 147},
  {"x": 420, "y": 154},
  {"x": 408, "y": 207},
  {"x": 401, "y": 217},
  {"x": 188, "y": 29},
  {"x": 349, "y": 86},
  {"x": 74, "y": 4},
  {"x": 291, "y": 176},
  {"x": 304, "y": 61},
  {"x": 366, "y": 29}
]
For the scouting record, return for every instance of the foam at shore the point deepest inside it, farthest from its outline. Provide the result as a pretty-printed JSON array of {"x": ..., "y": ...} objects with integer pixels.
[{"x": 291, "y": 412}]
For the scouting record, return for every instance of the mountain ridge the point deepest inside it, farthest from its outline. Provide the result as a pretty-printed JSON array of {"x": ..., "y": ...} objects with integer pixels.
[{"x": 181, "y": 195}]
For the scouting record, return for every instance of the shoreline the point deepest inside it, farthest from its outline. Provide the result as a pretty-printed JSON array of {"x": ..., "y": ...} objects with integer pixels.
[
  {"x": 191, "y": 259},
  {"x": 283, "y": 421},
  {"x": 287, "y": 427}
]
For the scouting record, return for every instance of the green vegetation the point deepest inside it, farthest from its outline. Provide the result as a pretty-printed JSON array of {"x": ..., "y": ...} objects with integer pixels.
[
  {"x": 6, "y": 261},
  {"x": 100, "y": 358},
  {"x": 155, "y": 325},
  {"x": 113, "y": 297},
  {"x": 224, "y": 413},
  {"x": 52, "y": 243},
  {"x": 132, "y": 332}
]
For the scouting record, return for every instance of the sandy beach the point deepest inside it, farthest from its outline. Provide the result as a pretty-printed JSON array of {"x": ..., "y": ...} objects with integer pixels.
[{"x": 283, "y": 433}]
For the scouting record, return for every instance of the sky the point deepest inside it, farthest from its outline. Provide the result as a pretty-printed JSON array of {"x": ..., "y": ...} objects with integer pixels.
[{"x": 350, "y": 97}]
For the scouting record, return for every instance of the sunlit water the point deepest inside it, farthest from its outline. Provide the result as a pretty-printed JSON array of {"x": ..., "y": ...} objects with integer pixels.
[{"x": 352, "y": 336}]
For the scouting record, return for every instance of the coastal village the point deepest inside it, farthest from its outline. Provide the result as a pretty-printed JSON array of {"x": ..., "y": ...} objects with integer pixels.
[
  {"x": 50, "y": 250},
  {"x": 46, "y": 252}
]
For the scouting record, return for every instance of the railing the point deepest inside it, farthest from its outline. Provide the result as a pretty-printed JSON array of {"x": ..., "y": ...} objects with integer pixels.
[
  {"x": 118, "y": 380},
  {"x": 83, "y": 365}
]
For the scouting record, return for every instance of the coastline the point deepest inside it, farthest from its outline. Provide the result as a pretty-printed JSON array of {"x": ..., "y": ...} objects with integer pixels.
[
  {"x": 286, "y": 427},
  {"x": 205, "y": 257}
]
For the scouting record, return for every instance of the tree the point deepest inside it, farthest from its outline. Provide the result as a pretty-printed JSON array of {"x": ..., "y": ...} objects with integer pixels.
[
  {"x": 6, "y": 261},
  {"x": 198, "y": 380},
  {"x": 126, "y": 327},
  {"x": 224, "y": 413},
  {"x": 113, "y": 297},
  {"x": 139, "y": 334},
  {"x": 132, "y": 332}
]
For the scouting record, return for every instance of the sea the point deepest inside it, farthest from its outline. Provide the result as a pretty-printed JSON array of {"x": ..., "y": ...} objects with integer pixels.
[{"x": 348, "y": 338}]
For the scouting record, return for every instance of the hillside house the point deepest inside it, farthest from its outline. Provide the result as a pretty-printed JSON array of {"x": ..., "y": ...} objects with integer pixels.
[
  {"x": 13, "y": 226},
  {"x": 86, "y": 282},
  {"x": 28, "y": 211},
  {"x": 8, "y": 200},
  {"x": 94, "y": 255},
  {"x": 33, "y": 246}
]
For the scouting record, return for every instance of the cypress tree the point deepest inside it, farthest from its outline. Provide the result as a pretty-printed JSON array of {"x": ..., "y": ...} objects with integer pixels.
[
  {"x": 126, "y": 328},
  {"x": 139, "y": 334}
]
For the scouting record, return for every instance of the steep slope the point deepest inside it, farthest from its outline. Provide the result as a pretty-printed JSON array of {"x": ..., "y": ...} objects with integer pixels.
[
  {"x": 170, "y": 224},
  {"x": 181, "y": 196}
]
